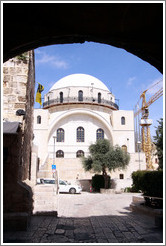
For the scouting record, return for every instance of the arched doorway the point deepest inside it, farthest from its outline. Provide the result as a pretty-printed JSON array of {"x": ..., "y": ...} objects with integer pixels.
[{"x": 124, "y": 25}]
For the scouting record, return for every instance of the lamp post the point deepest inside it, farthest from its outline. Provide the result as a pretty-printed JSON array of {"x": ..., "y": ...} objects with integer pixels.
[
  {"x": 54, "y": 137},
  {"x": 139, "y": 145}
]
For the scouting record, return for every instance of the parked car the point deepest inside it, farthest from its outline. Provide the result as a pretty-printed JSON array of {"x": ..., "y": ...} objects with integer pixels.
[{"x": 64, "y": 186}]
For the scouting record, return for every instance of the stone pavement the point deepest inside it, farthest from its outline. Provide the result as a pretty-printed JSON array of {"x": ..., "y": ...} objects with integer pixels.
[{"x": 90, "y": 218}]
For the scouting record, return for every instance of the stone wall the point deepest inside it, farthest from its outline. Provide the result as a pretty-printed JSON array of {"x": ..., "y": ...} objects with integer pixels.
[
  {"x": 18, "y": 89},
  {"x": 18, "y": 93},
  {"x": 15, "y": 76}
]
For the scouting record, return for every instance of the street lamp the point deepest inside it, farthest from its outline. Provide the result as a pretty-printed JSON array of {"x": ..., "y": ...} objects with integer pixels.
[
  {"x": 54, "y": 137},
  {"x": 55, "y": 173},
  {"x": 139, "y": 149}
]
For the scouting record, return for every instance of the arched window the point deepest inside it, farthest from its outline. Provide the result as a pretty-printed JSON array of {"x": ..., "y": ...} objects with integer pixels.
[
  {"x": 80, "y": 153},
  {"x": 59, "y": 154},
  {"x": 80, "y": 96},
  {"x": 61, "y": 97},
  {"x": 99, "y": 134},
  {"x": 122, "y": 120},
  {"x": 80, "y": 134},
  {"x": 60, "y": 135},
  {"x": 121, "y": 176},
  {"x": 38, "y": 119},
  {"x": 99, "y": 97},
  {"x": 124, "y": 147},
  {"x": 48, "y": 100}
]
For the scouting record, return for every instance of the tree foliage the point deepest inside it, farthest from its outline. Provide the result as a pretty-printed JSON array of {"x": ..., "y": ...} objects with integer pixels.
[
  {"x": 103, "y": 157},
  {"x": 159, "y": 142}
]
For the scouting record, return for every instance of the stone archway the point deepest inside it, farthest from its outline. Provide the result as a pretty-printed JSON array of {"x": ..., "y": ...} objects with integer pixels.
[{"x": 135, "y": 27}]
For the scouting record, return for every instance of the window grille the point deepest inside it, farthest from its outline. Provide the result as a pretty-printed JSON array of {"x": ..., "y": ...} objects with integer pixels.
[
  {"x": 38, "y": 119},
  {"x": 80, "y": 96},
  {"x": 123, "y": 120},
  {"x": 60, "y": 135},
  {"x": 80, "y": 134},
  {"x": 99, "y": 134},
  {"x": 99, "y": 97},
  {"x": 59, "y": 154},
  {"x": 61, "y": 97},
  {"x": 80, "y": 153}
]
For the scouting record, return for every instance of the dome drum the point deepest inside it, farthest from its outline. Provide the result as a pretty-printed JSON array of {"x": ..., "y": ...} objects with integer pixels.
[
  {"x": 75, "y": 100},
  {"x": 79, "y": 89}
]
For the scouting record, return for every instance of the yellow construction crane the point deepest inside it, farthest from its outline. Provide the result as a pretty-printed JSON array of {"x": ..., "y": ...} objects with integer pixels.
[{"x": 145, "y": 122}]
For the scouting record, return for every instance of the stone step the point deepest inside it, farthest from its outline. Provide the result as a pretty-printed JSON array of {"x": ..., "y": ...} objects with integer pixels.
[{"x": 45, "y": 199}]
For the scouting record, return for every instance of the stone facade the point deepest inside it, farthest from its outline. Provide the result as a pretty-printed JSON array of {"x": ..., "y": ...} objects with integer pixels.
[
  {"x": 63, "y": 110},
  {"x": 15, "y": 76}
]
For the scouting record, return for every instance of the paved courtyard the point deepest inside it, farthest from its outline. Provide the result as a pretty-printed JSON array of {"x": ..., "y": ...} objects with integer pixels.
[{"x": 90, "y": 218}]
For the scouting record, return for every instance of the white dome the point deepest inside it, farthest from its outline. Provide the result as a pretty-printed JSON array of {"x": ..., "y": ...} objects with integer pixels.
[{"x": 83, "y": 80}]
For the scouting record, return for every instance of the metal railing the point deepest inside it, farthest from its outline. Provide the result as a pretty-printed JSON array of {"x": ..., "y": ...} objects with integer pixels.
[{"x": 75, "y": 100}]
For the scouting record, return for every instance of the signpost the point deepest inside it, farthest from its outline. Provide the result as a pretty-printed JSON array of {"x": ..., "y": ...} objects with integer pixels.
[{"x": 53, "y": 169}]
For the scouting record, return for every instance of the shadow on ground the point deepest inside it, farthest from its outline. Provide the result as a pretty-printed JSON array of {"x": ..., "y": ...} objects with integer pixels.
[{"x": 127, "y": 228}]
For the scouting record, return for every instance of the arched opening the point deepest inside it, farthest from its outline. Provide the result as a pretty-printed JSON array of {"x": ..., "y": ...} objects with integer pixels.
[
  {"x": 80, "y": 153},
  {"x": 38, "y": 119},
  {"x": 60, "y": 135},
  {"x": 80, "y": 96},
  {"x": 34, "y": 34},
  {"x": 80, "y": 134},
  {"x": 99, "y": 97},
  {"x": 124, "y": 148},
  {"x": 99, "y": 134},
  {"x": 61, "y": 97},
  {"x": 59, "y": 154},
  {"x": 123, "y": 121}
]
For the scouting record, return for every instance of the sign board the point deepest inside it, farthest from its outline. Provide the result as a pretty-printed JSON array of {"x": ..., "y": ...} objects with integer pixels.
[{"x": 53, "y": 167}]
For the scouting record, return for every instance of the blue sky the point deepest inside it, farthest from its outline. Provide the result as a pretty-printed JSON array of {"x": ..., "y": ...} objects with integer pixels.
[{"x": 124, "y": 74}]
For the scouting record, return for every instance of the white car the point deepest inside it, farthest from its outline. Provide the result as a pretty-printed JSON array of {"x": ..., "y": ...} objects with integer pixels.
[{"x": 64, "y": 186}]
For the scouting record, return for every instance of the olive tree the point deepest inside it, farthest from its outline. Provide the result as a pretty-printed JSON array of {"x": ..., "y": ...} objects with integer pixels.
[{"x": 105, "y": 157}]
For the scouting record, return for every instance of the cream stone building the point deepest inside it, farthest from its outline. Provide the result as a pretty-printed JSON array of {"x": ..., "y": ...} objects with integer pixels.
[{"x": 78, "y": 110}]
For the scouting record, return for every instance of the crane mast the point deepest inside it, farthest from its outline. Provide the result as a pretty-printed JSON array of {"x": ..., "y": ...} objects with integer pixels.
[{"x": 145, "y": 123}]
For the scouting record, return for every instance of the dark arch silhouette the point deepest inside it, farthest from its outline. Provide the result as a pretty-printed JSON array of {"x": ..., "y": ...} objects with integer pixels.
[{"x": 135, "y": 27}]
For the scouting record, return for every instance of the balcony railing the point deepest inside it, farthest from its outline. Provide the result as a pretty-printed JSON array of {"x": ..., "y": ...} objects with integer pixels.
[{"x": 75, "y": 100}]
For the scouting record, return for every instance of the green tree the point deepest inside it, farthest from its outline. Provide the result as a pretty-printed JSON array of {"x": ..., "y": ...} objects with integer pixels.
[
  {"x": 103, "y": 157},
  {"x": 159, "y": 142}
]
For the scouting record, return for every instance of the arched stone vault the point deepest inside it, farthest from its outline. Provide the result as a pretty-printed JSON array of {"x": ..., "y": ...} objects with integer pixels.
[
  {"x": 135, "y": 27},
  {"x": 82, "y": 112}
]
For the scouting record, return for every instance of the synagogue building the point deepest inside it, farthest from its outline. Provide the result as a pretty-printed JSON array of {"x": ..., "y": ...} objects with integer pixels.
[{"x": 77, "y": 111}]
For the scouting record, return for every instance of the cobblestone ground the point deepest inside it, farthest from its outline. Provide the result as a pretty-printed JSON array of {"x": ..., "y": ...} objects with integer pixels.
[{"x": 90, "y": 218}]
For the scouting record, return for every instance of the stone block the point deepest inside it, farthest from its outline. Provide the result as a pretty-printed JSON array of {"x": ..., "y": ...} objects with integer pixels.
[
  {"x": 5, "y": 70},
  {"x": 19, "y": 105},
  {"x": 138, "y": 199},
  {"x": 107, "y": 191},
  {"x": 11, "y": 98},
  {"x": 21, "y": 98},
  {"x": 20, "y": 78},
  {"x": 6, "y": 78},
  {"x": 12, "y": 70},
  {"x": 19, "y": 70},
  {"x": 7, "y": 90}
]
